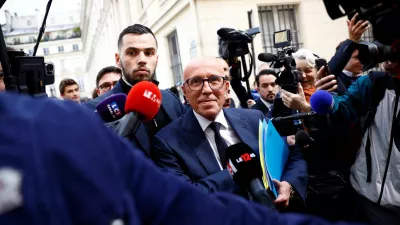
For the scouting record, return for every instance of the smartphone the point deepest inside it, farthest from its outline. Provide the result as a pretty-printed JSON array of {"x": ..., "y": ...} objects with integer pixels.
[{"x": 319, "y": 63}]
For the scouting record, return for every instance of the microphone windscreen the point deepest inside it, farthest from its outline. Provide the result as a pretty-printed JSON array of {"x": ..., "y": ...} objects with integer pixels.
[
  {"x": 302, "y": 138},
  {"x": 224, "y": 32},
  {"x": 243, "y": 164},
  {"x": 322, "y": 102},
  {"x": 266, "y": 57},
  {"x": 144, "y": 98},
  {"x": 112, "y": 108}
]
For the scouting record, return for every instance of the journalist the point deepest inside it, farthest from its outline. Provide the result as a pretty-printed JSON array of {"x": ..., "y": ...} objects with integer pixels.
[
  {"x": 328, "y": 158},
  {"x": 375, "y": 174}
]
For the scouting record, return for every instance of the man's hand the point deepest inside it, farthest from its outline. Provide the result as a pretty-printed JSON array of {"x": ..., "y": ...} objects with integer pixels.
[
  {"x": 291, "y": 140},
  {"x": 356, "y": 29},
  {"x": 250, "y": 103},
  {"x": 284, "y": 189},
  {"x": 295, "y": 101}
]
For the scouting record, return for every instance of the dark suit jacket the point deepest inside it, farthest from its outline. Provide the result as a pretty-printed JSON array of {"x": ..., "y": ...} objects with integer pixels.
[
  {"x": 338, "y": 63},
  {"x": 262, "y": 107},
  {"x": 183, "y": 148},
  {"x": 170, "y": 104}
]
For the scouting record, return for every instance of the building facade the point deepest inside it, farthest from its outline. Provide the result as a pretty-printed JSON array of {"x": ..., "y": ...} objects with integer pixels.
[
  {"x": 188, "y": 28},
  {"x": 61, "y": 44}
]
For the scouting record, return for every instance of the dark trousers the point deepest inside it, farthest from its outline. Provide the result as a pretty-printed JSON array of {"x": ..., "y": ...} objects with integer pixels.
[{"x": 376, "y": 214}]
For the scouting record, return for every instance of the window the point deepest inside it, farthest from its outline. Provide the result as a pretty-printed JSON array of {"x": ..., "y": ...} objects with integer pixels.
[
  {"x": 276, "y": 18},
  {"x": 16, "y": 41},
  {"x": 29, "y": 22},
  {"x": 71, "y": 18},
  {"x": 176, "y": 65},
  {"x": 60, "y": 48},
  {"x": 81, "y": 84},
  {"x": 75, "y": 47},
  {"x": 31, "y": 39},
  {"x": 30, "y": 52},
  {"x": 45, "y": 51}
]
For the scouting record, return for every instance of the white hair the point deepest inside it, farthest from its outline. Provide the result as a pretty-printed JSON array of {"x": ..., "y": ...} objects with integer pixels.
[{"x": 307, "y": 56}]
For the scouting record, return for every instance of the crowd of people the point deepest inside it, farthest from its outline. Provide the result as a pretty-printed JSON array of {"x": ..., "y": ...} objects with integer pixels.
[{"x": 174, "y": 169}]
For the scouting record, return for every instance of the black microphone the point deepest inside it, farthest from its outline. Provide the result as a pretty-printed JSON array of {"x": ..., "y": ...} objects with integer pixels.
[
  {"x": 245, "y": 168},
  {"x": 267, "y": 57},
  {"x": 294, "y": 116},
  {"x": 303, "y": 139}
]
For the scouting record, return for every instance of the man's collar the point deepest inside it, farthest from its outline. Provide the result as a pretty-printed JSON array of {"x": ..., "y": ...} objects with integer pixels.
[
  {"x": 267, "y": 104},
  {"x": 204, "y": 123},
  {"x": 350, "y": 74}
]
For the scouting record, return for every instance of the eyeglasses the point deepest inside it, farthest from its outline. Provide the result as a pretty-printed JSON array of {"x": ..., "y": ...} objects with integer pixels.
[
  {"x": 106, "y": 86},
  {"x": 197, "y": 83},
  {"x": 1, "y": 75}
]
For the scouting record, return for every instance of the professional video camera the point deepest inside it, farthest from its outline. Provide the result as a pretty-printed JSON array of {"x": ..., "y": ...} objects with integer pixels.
[
  {"x": 288, "y": 79},
  {"x": 382, "y": 15},
  {"x": 372, "y": 53},
  {"x": 23, "y": 73},
  {"x": 232, "y": 45}
]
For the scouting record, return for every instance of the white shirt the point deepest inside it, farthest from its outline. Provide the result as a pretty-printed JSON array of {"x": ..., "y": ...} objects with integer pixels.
[
  {"x": 350, "y": 74},
  {"x": 226, "y": 131},
  {"x": 266, "y": 104}
]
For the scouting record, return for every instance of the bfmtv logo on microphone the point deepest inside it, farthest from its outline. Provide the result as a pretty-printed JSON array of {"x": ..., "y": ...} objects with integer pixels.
[
  {"x": 114, "y": 110},
  {"x": 153, "y": 97}
]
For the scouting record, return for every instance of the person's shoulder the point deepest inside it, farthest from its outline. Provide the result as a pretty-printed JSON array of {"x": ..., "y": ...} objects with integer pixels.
[
  {"x": 243, "y": 111},
  {"x": 168, "y": 95},
  {"x": 175, "y": 127},
  {"x": 91, "y": 104}
]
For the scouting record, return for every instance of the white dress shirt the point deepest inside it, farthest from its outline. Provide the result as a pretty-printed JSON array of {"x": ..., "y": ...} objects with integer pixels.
[
  {"x": 350, "y": 74},
  {"x": 266, "y": 104},
  {"x": 226, "y": 131}
]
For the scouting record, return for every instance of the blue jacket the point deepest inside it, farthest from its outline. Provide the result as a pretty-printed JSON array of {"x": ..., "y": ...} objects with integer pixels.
[
  {"x": 75, "y": 171},
  {"x": 183, "y": 148}
]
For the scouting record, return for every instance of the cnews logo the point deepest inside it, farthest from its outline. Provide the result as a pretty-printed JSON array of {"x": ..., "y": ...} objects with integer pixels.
[{"x": 114, "y": 110}]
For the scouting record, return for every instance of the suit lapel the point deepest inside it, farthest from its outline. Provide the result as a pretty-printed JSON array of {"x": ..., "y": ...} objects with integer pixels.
[
  {"x": 263, "y": 108},
  {"x": 197, "y": 140}
]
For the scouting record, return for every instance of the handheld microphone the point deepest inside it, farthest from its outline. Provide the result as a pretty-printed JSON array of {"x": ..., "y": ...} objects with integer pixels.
[
  {"x": 266, "y": 57},
  {"x": 303, "y": 139},
  {"x": 296, "y": 116},
  {"x": 142, "y": 104},
  {"x": 322, "y": 102},
  {"x": 112, "y": 108},
  {"x": 244, "y": 166}
]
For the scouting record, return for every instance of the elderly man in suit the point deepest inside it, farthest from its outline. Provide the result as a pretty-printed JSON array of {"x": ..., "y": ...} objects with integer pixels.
[
  {"x": 137, "y": 58},
  {"x": 194, "y": 145}
]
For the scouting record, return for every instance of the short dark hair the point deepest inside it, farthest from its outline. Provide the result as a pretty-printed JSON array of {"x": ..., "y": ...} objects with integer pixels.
[
  {"x": 105, "y": 70},
  {"x": 135, "y": 29},
  {"x": 264, "y": 72},
  {"x": 66, "y": 82}
]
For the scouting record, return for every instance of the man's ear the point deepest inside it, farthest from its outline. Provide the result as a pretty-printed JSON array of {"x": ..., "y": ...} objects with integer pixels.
[{"x": 118, "y": 60}]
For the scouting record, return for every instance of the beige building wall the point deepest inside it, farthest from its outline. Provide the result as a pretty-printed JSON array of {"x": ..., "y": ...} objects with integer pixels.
[{"x": 196, "y": 23}]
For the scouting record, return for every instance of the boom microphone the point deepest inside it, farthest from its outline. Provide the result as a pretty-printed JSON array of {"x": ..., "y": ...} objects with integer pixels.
[
  {"x": 322, "y": 102},
  {"x": 112, "y": 108},
  {"x": 142, "y": 104},
  {"x": 244, "y": 166},
  {"x": 266, "y": 57},
  {"x": 296, "y": 116}
]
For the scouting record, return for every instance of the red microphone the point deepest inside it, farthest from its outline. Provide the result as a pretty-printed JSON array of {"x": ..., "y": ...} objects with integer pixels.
[{"x": 142, "y": 104}]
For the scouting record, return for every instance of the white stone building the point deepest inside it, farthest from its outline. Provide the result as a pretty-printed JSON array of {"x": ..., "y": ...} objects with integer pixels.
[{"x": 61, "y": 44}]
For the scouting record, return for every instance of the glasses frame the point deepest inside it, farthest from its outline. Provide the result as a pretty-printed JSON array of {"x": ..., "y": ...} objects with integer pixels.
[
  {"x": 224, "y": 79},
  {"x": 112, "y": 85}
]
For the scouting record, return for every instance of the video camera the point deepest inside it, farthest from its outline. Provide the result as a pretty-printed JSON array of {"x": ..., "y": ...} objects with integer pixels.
[
  {"x": 381, "y": 14},
  {"x": 23, "y": 73}
]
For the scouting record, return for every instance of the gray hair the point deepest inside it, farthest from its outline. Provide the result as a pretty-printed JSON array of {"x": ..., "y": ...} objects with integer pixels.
[{"x": 307, "y": 55}]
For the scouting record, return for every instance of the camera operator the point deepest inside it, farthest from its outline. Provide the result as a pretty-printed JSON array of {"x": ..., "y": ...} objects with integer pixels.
[{"x": 375, "y": 173}]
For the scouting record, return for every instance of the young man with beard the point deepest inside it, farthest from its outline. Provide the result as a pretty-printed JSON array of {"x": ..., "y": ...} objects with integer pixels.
[
  {"x": 137, "y": 57},
  {"x": 267, "y": 88}
]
